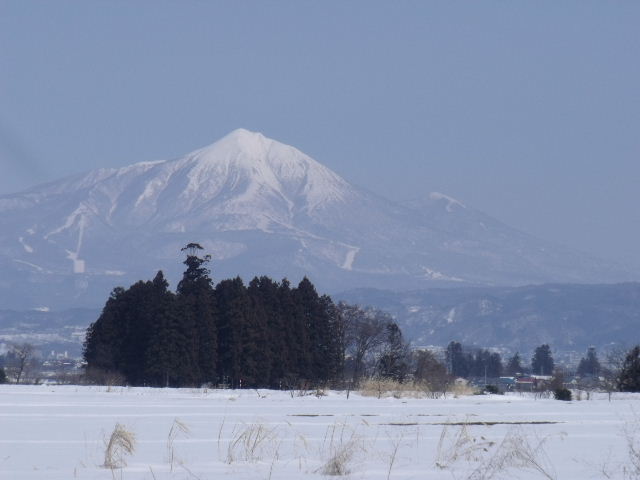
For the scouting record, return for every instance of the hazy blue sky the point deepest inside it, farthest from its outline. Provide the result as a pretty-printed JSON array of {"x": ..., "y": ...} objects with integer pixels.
[{"x": 529, "y": 111}]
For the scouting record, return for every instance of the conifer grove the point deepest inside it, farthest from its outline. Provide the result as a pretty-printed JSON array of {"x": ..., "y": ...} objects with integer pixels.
[{"x": 266, "y": 334}]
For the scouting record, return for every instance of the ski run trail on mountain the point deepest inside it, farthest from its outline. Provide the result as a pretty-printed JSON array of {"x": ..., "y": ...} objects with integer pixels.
[{"x": 60, "y": 432}]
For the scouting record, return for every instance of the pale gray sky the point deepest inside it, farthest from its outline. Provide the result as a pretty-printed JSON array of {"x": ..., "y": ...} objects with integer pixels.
[{"x": 529, "y": 111}]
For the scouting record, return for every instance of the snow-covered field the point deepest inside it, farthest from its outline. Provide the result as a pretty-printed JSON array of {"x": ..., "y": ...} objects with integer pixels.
[{"x": 60, "y": 432}]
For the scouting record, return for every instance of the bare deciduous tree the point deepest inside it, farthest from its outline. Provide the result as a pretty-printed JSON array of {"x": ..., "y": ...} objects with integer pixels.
[
  {"x": 20, "y": 359},
  {"x": 431, "y": 373},
  {"x": 612, "y": 367},
  {"x": 365, "y": 334}
]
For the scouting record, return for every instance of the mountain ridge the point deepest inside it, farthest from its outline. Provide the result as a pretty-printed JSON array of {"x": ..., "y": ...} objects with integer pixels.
[
  {"x": 259, "y": 207},
  {"x": 565, "y": 316}
]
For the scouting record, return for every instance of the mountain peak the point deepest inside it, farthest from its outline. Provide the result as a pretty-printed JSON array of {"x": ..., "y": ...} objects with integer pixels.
[
  {"x": 238, "y": 142},
  {"x": 244, "y": 164},
  {"x": 243, "y": 133},
  {"x": 246, "y": 140}
]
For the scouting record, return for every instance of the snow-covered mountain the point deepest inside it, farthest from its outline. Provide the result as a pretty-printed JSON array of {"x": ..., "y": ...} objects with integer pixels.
[{"x": 259, "y": 207}]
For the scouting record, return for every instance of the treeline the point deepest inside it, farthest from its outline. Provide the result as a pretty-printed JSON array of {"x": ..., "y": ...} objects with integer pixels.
[
  {"x": 469, "y": 362},
  {"x": 620, "y": 371},
  {"x": 264, "y": 334},
  {"x": 271, "y": 334}
]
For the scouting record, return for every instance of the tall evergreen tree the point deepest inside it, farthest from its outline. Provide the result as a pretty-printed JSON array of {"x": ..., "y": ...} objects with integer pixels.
[
  {"x": 629, "y": 378},
  {"x": 338, "y": 338},
  {"x": 138, "y": 316},
  {"x": 457, "y": 361},
  {"x": 167, "y": 357},
  {"x": 105, "y": 336},
  {"x": 495, "y": 365},
  {"x": 265, "y": 292},
  {"x": 118, "y": 342},
  {"x": 234, "y": 310},
  {"x": 197, "y": 306},
  {"x": 542, "y": 361},
  {"x": 255, "y": 358},
  {"x": 484, "y": 363},
  {"x": 589, "y": 365},
  {"x": 514, "y": 366},
  {"x": 297, "y": 336},
  {"x": 316, "y": 322}
]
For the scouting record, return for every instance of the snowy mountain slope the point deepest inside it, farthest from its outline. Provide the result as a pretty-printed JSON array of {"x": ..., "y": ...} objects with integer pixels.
[{"x": 259, "y": 207}]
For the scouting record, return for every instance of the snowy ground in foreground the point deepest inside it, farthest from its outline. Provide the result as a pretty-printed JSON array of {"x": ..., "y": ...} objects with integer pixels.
[{"x": 59, "y": 432}]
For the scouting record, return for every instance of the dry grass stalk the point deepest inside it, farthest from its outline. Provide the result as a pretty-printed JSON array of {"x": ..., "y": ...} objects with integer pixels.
[
  {"x": 460, "y": 445},
  {"x": 122, "y": 442},
  {"x": 631, "y": 431},
  {"x": 341, "y": 451},
  {"x": 177, "y": 429},
  {"x": 429, "y": 392},
  {"x": 462, "y": 389},
  {"x": 338, "y": 463},
  {"x": 515, "y": 451},
  {"x": 224, "y": 419},
  {"x": 250, "y": 444},
  {"x": 392, "y": 458},
  {"x": 384, "y": 388}
]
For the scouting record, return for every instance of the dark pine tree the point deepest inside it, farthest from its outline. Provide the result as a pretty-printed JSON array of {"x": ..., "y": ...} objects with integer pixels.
[
  {"x": 495, "y": 365},
  {"x": 298, "y": 344},
  {"x": 197, "y": 307},
  {"x": 485, "y": 364},
  {"x": 138, "y": 316},
  {"x": 316, "y": 321},
  {"x": 589, "y": 366},
  {"x": 514, "y": 366},
  {"x": 542, "y": 361},
  {"x": 337, "y": 339},
  {"x": 263, "y": 293},
  {"x": 255, "y": 360},
  {"x": 477, "y": 362},
  {"x": 457, "y": 361},
  {"x": 119, "y": 341},
  {"x": 167, "y": 357},
  {"x": 629, "y": 378},
  {"x": 234, "y": 310},
  {"x": 104, "y": 338}
]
